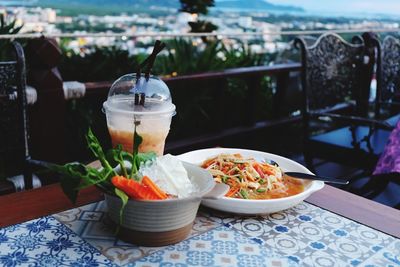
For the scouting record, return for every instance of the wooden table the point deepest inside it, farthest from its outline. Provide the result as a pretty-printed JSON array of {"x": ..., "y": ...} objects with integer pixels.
[{"x": 19, "y": 207}]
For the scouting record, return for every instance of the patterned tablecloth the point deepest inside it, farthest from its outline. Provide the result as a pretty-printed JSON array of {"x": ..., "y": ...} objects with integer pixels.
[{"x": 302, "y": 236}]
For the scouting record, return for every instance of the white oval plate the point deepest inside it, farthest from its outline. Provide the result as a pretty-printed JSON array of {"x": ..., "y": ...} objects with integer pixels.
[{"x": 246, "y": 206}]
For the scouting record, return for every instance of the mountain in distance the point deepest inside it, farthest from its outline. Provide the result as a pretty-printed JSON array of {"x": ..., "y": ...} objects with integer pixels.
[
  {"x": 121, "y": 3},
  {"x": 255, "y": 4},
  {"x": 143, "y": 4}
]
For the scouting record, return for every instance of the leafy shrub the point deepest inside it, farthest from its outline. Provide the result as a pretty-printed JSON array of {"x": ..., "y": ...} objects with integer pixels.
[
  {"x": 100, "y": 64},
  {"x": 7, "y": 26},
  {"x": 183, "y": 57},
  {"x": 197, "y": 108}
]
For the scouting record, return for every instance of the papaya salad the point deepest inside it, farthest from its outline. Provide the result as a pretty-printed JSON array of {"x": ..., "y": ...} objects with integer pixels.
[{"x": 250, "y": 179}]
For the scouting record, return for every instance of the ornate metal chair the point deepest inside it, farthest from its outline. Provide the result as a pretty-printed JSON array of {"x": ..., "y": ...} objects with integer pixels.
[
  {"x": 335, "y": 85},
  {"x": 388, "y": 79},
  {"x": 14, "y": 137},
  {"x": 382, "y": 183}
]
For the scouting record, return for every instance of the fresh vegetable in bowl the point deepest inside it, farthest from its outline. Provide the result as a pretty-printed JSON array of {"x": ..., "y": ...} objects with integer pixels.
[
  {"x": 126, "y": 175},
  {"x": 114, "y": 162},
  {"x": 152, "y": 200},
  {"x": 146, "y": 190}
]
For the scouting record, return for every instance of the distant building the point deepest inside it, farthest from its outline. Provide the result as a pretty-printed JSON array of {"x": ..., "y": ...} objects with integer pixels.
[
  {"x": 48, "y": 15},
  {"x": 245, "y": 22}
]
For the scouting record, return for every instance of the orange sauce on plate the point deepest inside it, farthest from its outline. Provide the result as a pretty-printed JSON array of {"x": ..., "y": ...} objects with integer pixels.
[{"x": 293, "y": 187}]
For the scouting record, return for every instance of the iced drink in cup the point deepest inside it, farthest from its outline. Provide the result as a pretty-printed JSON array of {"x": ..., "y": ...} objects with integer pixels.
[{"x": 146, "y": 103}]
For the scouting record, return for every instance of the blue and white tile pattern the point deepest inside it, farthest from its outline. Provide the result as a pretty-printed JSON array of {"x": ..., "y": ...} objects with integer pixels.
[
  {"x": 302, "y": 236},
  {"x": 46, "y": 242}
]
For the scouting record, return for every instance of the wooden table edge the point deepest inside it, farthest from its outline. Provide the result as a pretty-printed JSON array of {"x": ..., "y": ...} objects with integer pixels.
[
  {"x": 23, "y": 206},
  {"x": 47, "y": 200},
  {"x": 362, "y": 210}
]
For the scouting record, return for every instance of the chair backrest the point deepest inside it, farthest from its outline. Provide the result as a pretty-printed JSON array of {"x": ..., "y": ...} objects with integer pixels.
[
  {"x": 331, "y": 71},
  {"x": 13, "y": 119},
  {"x": 388, "y": 71}
]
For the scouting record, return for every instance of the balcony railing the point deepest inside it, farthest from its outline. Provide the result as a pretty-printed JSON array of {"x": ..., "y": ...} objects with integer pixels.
[
  {"x": 52, "y": 108},
  {"x": 252, "y": 77},
  {"x": 190, "y": 34}
]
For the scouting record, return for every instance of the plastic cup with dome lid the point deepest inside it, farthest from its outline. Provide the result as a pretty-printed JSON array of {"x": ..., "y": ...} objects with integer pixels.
[
  {"x": 145, "y": 103},
  {"x": 142, "y": 103}
]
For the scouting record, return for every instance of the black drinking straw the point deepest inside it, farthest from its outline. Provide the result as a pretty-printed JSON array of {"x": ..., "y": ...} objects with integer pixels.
[
  {"x": 136, "y": 99},
  {"x": 148, "y": 63},
  {"x": 140, "y": 98},
  {"x": 158, "y": 47}
]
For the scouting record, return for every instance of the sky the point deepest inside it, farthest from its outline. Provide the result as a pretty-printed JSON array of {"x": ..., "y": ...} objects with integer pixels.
[{"x": 346, "y": 6}]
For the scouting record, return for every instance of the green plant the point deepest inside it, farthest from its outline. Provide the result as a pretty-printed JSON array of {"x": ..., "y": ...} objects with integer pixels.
[
  {"x": 98, "y": 64},
  {"x": 195, "y": 102},
  {"x": 184, "y": 57},
  {"x": 196, "y": 7},
  {"x": 202, "y": 26},
  {"x": 77, "y": 176},
  {"x": 7, "y": 26},
  {"x": 242, "y": 57}
]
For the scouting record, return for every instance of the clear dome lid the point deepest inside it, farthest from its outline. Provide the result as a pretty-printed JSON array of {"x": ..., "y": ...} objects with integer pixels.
[{"x": 141, "y": 97}]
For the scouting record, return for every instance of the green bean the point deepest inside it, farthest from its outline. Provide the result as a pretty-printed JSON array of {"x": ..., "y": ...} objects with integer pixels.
[{"x": 244, "y": 194}]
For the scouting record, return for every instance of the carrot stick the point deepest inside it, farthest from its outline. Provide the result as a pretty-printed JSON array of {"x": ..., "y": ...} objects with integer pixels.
[
  {"x": 258, "y": 169},
  {"x": 232, "y": 191},
  {"x": 134, "y": 189},
  {"x": 151, "y": 185},
  {"x": 267, "y": 170},
  {"x": 250, "y": 177},
  {"x": 121, "y": 183},
  {"x": 208, "y": 163}
]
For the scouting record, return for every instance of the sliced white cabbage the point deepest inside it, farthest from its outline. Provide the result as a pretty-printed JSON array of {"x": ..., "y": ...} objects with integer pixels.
[{"x": 169, "y": 174}]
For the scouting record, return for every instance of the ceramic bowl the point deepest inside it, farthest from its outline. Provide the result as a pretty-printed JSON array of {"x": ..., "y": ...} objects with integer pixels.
[
  {"x": 248, "y": 206},
  {"x": 161, "y": 222}
]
